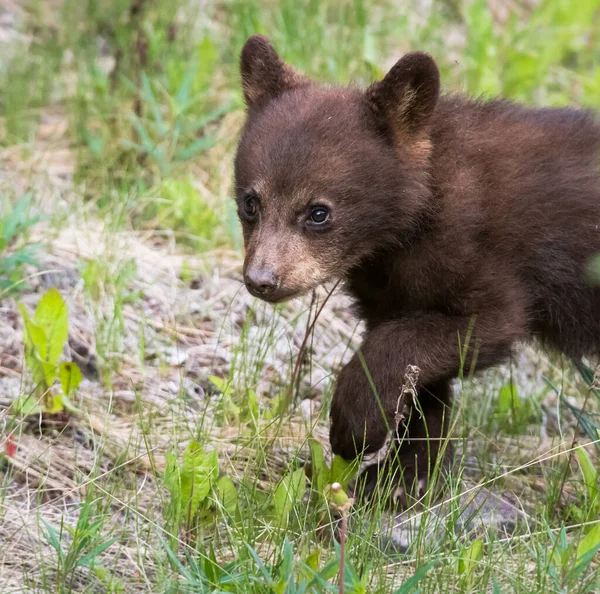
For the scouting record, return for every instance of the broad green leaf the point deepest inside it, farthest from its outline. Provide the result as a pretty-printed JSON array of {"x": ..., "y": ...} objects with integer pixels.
[
  {"x": 251, "y": 405},
  {"x": 27, "y": 405},
  {"x": 172, "y": 478},
  {"x": 312, "y": 561},
  {"x": 319, "y": 468},
  {"x": 70, "y": 377},
  {"x": 52, "y": 316},
  {"x": 57, "y": 405},
  {"x": 221, "y": 384},
  {"x": 469, "y": 558},
  {"x": 287, "y": 560},
  {"x": 590, "y": 475},
  {"x": 289, "y": 492},
  {"x": 342, "y": 471},
  {"x": 228, "y": 495},
  {"x": 508, "y": 398},
  {"x": 590, "y": 542},
  {"x": 172, "y": 481},
  {"x": 199, "y": 473},
  {"x": 35, "y": 339}
]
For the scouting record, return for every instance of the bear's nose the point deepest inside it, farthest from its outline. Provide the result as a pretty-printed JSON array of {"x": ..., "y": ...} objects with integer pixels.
[{"x": 261, "y": 282}]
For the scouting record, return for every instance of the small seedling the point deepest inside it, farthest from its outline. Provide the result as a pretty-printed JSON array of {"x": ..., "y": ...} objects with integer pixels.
[
  {"x": 44, "y": 337},
  {"x": 80, "y": 546},
  {"x": 324, "y": 477}
]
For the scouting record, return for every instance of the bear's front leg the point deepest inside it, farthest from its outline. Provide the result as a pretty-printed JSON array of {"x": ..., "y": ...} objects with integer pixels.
[
  {"x": 419, "y": 444},
  {"x": 369, "y": 386}
]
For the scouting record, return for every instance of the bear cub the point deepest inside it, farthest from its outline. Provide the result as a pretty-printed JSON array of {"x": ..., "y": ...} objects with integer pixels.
[{"x": 459, "y": 227}]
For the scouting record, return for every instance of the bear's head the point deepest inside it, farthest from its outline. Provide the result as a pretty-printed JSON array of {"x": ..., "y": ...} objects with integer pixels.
[{"x": 326, "y": 177}]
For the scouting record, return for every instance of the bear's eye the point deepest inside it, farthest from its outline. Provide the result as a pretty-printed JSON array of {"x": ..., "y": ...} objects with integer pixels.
[
  {"x": 251, "y": 206},
  {"x": 318, "y": 215}
]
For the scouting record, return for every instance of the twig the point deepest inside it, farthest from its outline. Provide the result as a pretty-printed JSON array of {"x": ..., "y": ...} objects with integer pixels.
[
  {"x": 344, "y": 511},
  {"x": 343, "y": 506},
  {"x": 309, "y": 329}
]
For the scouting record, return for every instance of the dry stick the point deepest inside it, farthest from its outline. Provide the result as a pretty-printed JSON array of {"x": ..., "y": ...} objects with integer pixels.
[
  {"x": 309, "y": 329},
  {"x": 344, "y": 510},
  {"x": 296, "y": 381},
  {"x": 343, "y": 548}
]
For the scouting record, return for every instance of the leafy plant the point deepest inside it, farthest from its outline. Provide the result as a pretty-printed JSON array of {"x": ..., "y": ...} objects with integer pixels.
[
  {"x": 589, "y": 509},
  {"x": 80, "y": 546},
  {"x": 323, "y": 475},
  {"x": 205, "y": 575},
  {"x": 14, "y": 251},
  {"x": 287, "y": 494},
  {"x": 468, "y": 562},
  {"x": 246, "y": 409},
  {"x": 306, "y": 577},
  {"x": 514, "y": 413},
  {"x": 196, "y": 490},
  {"x": 44, "y": 337},
  {"x": 172, "y": 132},
  {"x": 568, "y": 561}
]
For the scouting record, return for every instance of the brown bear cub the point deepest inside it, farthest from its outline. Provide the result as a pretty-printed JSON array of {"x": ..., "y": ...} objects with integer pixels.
[{"x": 459, "y": 228}]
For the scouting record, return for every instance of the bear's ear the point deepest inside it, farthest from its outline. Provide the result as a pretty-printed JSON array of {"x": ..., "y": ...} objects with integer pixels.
[
  {"x": 405, "y": 99},
  {"x": 264, "y": 74}
]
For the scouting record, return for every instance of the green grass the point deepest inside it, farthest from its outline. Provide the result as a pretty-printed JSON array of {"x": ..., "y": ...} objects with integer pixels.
[{"x": 119, "y": 491}]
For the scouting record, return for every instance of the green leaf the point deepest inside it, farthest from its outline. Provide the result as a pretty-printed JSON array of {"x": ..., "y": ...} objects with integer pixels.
[
  {"x": 35, "y": 339},
  {"x": 70, "y": 377},
  {"x": 56, "y": 404},
  {"x": 174, "y": 559},
  {"x": 172, "y": 478},
  {"x": 508, "y": 398},
  {"x": 251, "y": 407},
  {"x": 319, "y": 468},
  {"x": 53, "y": 539},
  {"x": 329, "y": 571},
  {"x": 228, "y": 496},
  {"x": 469, "y": 558},
  {"x": 343, "y": 471},
  {"x": 220, "y": 383},
  {"x": 590, "y": 475},
  {"x": 89, "y": 559},
  {"x": 211, "y": 567},
  {"x": 52, "y": 316},
  {"x": 289, "y": 492},
  {"x": 172, "y": 481},
  {"x": 26, "y": 405},
  {"x": 589, "y": 545},
  {"x": 312, "y": 561},
  {"x": 199, "y": 473}
]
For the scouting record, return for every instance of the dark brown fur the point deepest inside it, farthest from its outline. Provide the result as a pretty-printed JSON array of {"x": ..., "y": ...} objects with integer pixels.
[{"x": 447, "y": 214}]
